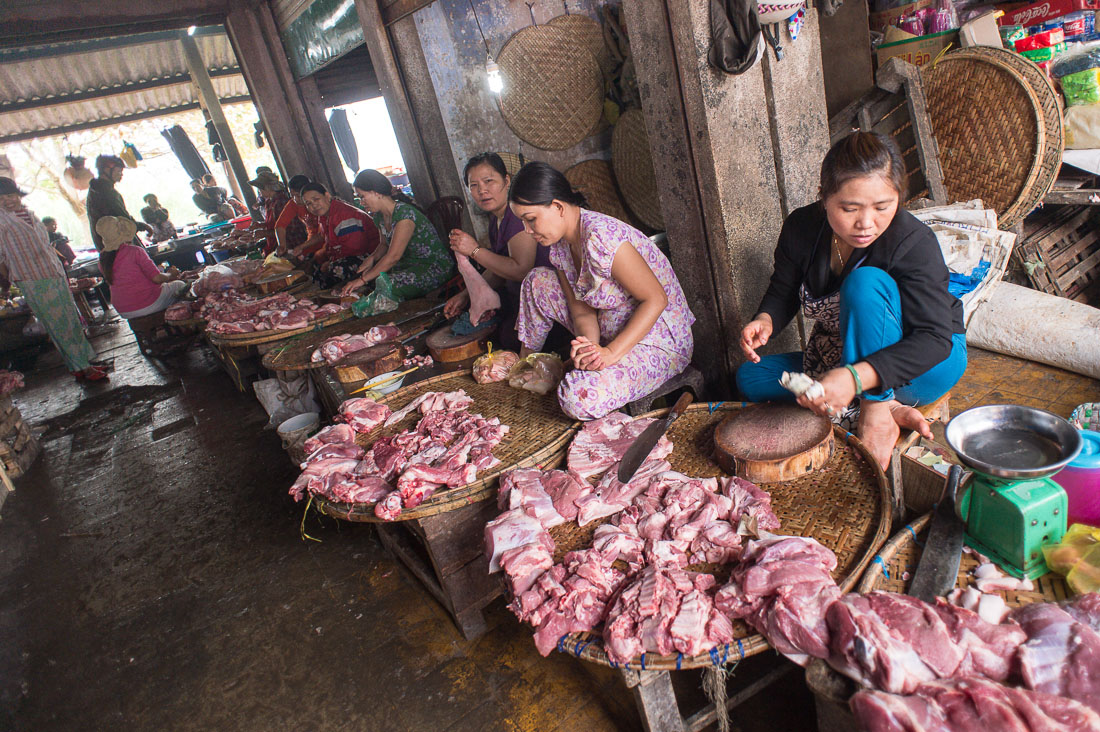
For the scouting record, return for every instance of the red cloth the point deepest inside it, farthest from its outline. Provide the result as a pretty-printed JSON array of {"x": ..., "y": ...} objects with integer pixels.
[
  {"x": 349, "y": 232},
  {"x": 272, "y": 207},
  {"x": 132, "y": 283}
]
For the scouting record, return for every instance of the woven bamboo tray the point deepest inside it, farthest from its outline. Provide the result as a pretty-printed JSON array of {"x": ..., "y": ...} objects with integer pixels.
[
  {"x": 543, "y": 106},
  {"x": 633, "y": 164},
  {"x": 902, "y": 553},
  {"x": 538, "y": 435},
  {"x": 990, "y": 126},
  {"x": 270, "y": 336},
  {"x": 295, "y": 354},
  {"x": 845, "y": 506},
  {"x": 595, "y": 180}
]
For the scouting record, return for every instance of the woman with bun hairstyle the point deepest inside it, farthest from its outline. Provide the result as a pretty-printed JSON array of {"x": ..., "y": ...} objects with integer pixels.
[
  {"x": 416, "y": 261},
  {"x": 612, "y": 288}
]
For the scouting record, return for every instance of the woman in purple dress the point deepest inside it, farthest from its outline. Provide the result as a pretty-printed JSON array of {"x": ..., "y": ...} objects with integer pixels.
[
  {"x": 512, "y": 252},
  {"x": 613, "y": 289}
]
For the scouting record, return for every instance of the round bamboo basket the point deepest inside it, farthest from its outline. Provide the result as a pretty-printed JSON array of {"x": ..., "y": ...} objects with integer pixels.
[
  {"x": 543, "y": 106},
  {"x": 899, "y": 557},
  {"x": 538, "y": 435},
  {"x": 633, "y": 164},
  {"x": 845, "y": 506},
  {"x": 513, "y": 161},
  {"x": 271, "y": 336},
  {"x": 992, "y": 139},
  {"x": 295, "y": 354},
  {"x": 595, "y": 180}
]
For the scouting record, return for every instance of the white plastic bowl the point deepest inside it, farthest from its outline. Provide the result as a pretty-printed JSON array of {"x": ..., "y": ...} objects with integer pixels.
[{"x": 385, "y": 388}]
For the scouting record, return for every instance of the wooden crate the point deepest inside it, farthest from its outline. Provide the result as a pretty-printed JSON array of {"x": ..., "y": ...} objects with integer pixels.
[
  {"x": 1061, "y": 254},
  {"x": 923, "y": 485},
  {"x": 18, "y": 445}
]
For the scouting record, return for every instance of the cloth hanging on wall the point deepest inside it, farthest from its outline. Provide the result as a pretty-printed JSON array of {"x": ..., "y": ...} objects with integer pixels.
[
  {"x": 345, "y": 140},
  {"x": 185, "y": 151},
  {"x": 734, "y": 35}
]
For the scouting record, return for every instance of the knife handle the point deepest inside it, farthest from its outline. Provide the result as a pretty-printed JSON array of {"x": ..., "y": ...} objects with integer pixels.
[{"x": 680, "y": 406}]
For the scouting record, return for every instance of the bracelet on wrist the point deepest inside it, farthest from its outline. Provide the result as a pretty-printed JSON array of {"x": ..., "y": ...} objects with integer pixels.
[
  {"x": 473, "y": 254},
  {"x": 855, "y": 376}
]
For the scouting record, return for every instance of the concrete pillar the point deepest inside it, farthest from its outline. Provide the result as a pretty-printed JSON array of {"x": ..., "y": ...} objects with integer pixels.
[{"x": 754, "y": 143}]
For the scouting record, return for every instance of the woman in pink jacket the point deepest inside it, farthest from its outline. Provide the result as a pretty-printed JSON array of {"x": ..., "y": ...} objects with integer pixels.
[{"x": 138, "y": 287}]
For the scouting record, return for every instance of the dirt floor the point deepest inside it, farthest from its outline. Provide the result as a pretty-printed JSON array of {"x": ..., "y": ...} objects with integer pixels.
[{"x": 153, "y": 577}]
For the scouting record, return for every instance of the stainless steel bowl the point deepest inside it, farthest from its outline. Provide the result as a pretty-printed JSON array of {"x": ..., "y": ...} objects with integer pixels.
[{"x": 1013, "y": 442}]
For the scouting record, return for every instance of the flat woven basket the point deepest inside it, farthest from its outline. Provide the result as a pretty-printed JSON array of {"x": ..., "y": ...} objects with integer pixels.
[
  {"x": 588, "y": 33},
  {"x": 295, "y": 354},
  {"x": 990, "y": 127},
  {"x": 513, "y": 161},
  {"x": 633, "y": 165},
  {"x": 595, "y": 180},
  {"x": 893, "y": 567},
  {"x": 539, "y": 432},
  {"x": 844, "y": 505},
  {"x": 545, "y": 107},
  {"x": 1055, "y": 134},
  {"x": 272, "y": 336}
]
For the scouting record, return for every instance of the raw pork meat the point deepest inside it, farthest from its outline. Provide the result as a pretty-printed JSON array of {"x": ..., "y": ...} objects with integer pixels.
[
  {"x": 179, "y": 311},
  {"x": 339, "y": 449},
  {"x": 335, "y": 434},
  {"x": 233, "y": 312},
  {"x": 510, "y": 530},
  {"x": 523, "y": 489},
  {"x": 494, "y": 366},
  {"x": 484, "y": 300},
  {"x": 971, "y": 705},
  {"x": 432, "y": 401},
  {"x": 539, "y": 372},
  {"x": 363, "y": 415},
  {"x": 337, "y": 347},
  {"x": 10, "y": 381},
  {"x": 1061, "y": 655}
]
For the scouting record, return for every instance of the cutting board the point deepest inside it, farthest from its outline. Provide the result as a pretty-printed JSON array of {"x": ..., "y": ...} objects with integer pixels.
[
  {"x": 369, "y": 362},
  {"x": 773, "y": 443},
  {"x": 446, "y": 346}
]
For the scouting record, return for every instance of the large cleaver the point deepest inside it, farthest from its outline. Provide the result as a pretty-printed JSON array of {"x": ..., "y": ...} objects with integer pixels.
[
  {"x": 938, "y": 570},
  {"x": 644, "y": 443}
]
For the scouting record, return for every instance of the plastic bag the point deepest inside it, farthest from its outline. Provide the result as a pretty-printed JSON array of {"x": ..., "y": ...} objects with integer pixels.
[
  {"x": 1082, "y": 88},
  {"x": 494, "y": 366},
  {"x": 382, "y": 300},
  {"x": 1083, "y": 127},
  {"x": 539, "y": 372},
  {"x": 216, "y": 278},
  {"x": 1077, "y": 556},
  {"x": 1078, "y": 58},
  {"x": 285, "y": 399}
]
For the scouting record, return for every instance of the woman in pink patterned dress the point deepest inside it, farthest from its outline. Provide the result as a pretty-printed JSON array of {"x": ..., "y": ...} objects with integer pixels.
[{"x": 613, "y": 289}]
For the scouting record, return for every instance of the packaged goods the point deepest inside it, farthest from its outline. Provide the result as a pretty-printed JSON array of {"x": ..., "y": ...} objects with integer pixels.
[
  {"x": 1012, "y": 33},
  {"x": 1082, "y": 87},
  {"x": 1079, "y": 25},
  {"x": 1045, "y": 11},
  {"x": 1080, "y": 58},
  {"x": 1040, "y": 40},
  {"x": 1044, "y": 54}
]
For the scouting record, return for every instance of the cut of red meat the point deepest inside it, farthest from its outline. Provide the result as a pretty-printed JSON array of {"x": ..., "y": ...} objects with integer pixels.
[
  {"x": 1061, "y": 655},
  {"x": 389, "y": 508},
  {"x": 511, "y": 529},
  {"x": 363, "y": 415},
  {"x": 484, "y": 300},
  {"x": 334, "y": 434},
  {"x": 338, "y": 450}
]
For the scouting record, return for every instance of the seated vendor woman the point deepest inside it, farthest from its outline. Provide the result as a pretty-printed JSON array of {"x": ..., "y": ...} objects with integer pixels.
[
  {"x": 511, "y": 253},
  {"x": 613, "y": 289},
  {"x": 887, "y": 331},
  {"x": 351, "y": 239},
  {"x": 297, "y": 230},
  {"x": 416, "y": 261},
  {"x": 138, "y": 287}
]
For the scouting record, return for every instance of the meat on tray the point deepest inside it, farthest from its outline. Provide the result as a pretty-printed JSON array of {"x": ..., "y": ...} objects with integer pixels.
[
  {"x": 971, "y": 705},
  {"x": 494, "y": 366},
  {"x": 447, "y": 447},
  {"x": 335, "y": 348},
  {"x": 418, "y": 361},
  {"x": 363, "y": 415},
  {"x": 235, "y": 312},
  {"x": 1062, "y": 653},
  {"x": 180, "y": 311},
  {"x": 602, "y": 442},
  {"x": 432, "y": 401}
]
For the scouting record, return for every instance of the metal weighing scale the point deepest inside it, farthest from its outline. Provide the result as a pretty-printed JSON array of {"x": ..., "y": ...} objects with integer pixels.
[{"x": 1012, "y": 507}]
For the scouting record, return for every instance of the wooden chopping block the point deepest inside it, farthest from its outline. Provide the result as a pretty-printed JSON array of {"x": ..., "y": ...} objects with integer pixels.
[
  {"x": 446, "y": 347},
  {"x": 279, "y": 281},
  {"x": 772, "y": 443},
  {"x": 369, "y": 362}
]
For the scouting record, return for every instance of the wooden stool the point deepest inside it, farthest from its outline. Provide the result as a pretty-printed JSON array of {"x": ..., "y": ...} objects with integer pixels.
[
  {"x": 937, "y": 411},
  {"x": 156, "y": 338},
  {"x": 689, "y": 378}
]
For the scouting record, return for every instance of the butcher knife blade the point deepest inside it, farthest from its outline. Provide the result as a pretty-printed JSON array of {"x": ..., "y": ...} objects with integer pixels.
[
  {"x": 644, "y": 443},
  {"x": 938, "y": 569}
]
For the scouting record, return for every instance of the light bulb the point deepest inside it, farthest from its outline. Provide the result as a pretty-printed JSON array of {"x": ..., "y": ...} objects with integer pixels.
[
  {"x": 496, "y": 81},
  {"x": 191, "y": 30}
]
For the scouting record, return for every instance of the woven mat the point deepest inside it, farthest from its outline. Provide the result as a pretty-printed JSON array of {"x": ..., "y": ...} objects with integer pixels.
[
  {"x": 589, "y": 34},
  {"x": 595, "y": 180},
  {"x": 844, "y": 506},
  {"x": 295, "y": 355},
  {"x": 990, "y": 129},
  {"x": 633, "y": 164},
  {"x": 538, "y": 435},
  {"x": 271, "y": 336},
  {"x": 1055, "y": 138},
  {"x": 543, "y": 106},
  {"x": 513, "y": 161},
  {"x": 902, "y": 553}
]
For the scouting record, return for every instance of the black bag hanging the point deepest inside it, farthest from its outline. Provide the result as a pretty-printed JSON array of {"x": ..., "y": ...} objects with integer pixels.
[
  {"x": 212, "y": 133},
  {"x": 259, "y": 134},
  {"x": 734, "y": 35},
  {"x": 185, "y": 151},
  {"x": 345, "y": 140}
]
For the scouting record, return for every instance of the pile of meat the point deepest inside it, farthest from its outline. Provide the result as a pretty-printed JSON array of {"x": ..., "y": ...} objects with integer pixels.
[
  {"x": 930, "y": 666},
  {"x": 418, "y": 362},
  {"x": 10, "y": 381},
  {"x": 447, "y": 446},
  {"x": 335, "y": 348},
  {"x": 234, "y": 312},
  {"x": 663, "y": 522},
  {"x": 494, "y": 366}
]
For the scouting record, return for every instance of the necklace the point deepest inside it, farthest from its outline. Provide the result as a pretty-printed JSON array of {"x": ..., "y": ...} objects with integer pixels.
[{"x": 836, "y": 248}]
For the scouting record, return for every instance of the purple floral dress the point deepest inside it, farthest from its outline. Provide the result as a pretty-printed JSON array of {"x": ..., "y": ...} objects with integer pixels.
[{"x": 664, "y": 352}]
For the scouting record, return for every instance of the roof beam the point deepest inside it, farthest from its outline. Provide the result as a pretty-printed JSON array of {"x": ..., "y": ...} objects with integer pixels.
[
  {"x": 114, "y": 120},
  {"x": 67, "y": 48},
  {"x": 26, "y": 22},
  {"x": 175, "y": 80}
]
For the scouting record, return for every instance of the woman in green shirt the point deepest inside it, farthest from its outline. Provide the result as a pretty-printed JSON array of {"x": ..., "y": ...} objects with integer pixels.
[{"x": 416, "y": 260}]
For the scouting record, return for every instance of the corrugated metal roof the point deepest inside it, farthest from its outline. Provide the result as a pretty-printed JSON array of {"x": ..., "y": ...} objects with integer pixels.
[{"x": 65, "y": 86}]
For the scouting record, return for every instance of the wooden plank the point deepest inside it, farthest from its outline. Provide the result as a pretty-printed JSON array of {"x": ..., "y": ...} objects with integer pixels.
[
  {"x": 655, "y": 699},
  {"x": 393, "y": 538},
  {"x": 1081, "y": 270},
  {"x": 1060, "y": 259},
  {"x": 25, "y": 22},
  {"x": 1080, "y": 197},
  {"x": 394, "y": 12},
  {"x": 709, "y": 715}
]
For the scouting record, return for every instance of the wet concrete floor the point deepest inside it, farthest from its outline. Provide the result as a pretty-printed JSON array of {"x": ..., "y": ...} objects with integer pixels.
[{"x": 153, "y": 577}]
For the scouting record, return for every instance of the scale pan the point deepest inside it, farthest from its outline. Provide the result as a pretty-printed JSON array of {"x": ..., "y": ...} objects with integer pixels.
[{"x": 1013, "y": 442}]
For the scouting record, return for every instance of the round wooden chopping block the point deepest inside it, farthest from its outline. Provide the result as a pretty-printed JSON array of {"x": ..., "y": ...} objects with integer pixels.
[
  {"x": 446, "y": 346},
  {"x": 368, "y": 362},
  {"x": 773, "y": 443}
]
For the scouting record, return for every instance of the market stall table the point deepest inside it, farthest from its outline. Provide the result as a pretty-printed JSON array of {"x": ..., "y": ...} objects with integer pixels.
[{"x": 441, "y": 540}]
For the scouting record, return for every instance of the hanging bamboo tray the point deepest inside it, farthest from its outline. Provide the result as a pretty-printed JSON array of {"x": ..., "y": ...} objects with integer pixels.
[
  {"x": 898, "y": 559},
  {"x": 588, "y": 33},
  {"x": 538, "y": 435},
  {"x": 513, "y": 161},
  {"x": 545, "y": 107},
  {"x": 991, "y": 130},
  {"x": 633, "y": 164},
  {"x": 595, "y": 180},
  {"x": 296, "y": 353},
  {"x": 255, "y": 338},
  {"x": 845, "y": 506}
]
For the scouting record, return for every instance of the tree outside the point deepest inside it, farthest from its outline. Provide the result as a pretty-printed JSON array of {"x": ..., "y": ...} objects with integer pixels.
[{"x": 39, "y": 165}]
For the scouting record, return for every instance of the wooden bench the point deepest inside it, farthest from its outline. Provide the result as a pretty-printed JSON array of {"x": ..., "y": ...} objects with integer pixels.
[{"x": 690, "y": 378}]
